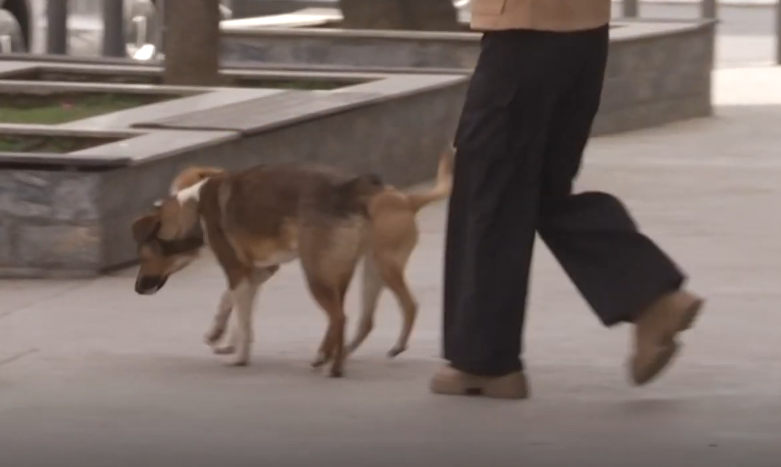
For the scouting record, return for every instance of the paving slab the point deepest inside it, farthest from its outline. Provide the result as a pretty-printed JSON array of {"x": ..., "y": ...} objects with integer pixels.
[
  {"x": 93, "y": 375},
  {"x": 279, "y": 109}
]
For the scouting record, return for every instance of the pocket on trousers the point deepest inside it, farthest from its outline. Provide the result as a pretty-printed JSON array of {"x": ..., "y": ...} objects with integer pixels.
[
  {"x": 488, "y": 7},
  {"x": 485, "y": 114}
]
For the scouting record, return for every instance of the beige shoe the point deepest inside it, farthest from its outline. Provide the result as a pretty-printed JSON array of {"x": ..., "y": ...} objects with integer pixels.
[
  {"x": 656, "y": 329},
  {"x": 450, "y": 381}
]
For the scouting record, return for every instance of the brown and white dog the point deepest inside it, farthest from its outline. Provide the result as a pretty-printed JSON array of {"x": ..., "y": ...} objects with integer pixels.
[{"x": 258, "y": 219}]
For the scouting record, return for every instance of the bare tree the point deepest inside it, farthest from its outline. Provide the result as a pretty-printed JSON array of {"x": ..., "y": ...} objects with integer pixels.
[
  {"x": 422, "y": 15},
  {"x": 192, "y": 42}
]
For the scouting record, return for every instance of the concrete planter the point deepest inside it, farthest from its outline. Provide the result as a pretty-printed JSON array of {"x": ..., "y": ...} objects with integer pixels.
[
  {"x": 658, "y": 71},
  {"x": 69, "y": 214}
]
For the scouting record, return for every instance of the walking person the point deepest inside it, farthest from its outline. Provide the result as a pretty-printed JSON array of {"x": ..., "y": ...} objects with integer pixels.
[{"x": 524, "y": 126}]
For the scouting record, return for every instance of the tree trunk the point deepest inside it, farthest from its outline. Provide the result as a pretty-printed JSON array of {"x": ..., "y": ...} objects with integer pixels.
[
  {"x": 192, "y": 42},
  {"x": 421, "y": 15}
]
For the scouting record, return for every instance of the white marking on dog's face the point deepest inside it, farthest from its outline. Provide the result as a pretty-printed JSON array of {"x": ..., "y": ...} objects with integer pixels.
[{"x": 192, "y": 193}]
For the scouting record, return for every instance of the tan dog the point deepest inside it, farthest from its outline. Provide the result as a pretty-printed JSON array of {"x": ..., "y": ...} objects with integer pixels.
[{"x": 258, "y": 219}]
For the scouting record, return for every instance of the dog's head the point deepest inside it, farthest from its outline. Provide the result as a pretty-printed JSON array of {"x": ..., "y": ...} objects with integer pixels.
[{"x": 170, "y": 238}]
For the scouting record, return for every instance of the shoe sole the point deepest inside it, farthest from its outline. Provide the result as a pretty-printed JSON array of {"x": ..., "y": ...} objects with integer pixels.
[
  {"x": 666, "y": 353},
  {"x": 514, "y": 387}
]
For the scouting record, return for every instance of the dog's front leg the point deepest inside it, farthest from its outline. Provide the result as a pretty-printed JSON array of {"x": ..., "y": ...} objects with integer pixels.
[
  {"x": 222, "y": 318},
  {"x": 220, "y": 325},
  {"x": 228, "y": 346},
  {"x": 243, "y": 298}
]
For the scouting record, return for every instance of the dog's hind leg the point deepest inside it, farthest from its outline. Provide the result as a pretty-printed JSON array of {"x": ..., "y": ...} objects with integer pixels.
[
  {"x": 331, "y": 300},
  {"x": 329, "y": 256},
  {"x": 394, "y": 237},
  {"x": 391, "y": 269},
  {"x": 370, "y": 296}
]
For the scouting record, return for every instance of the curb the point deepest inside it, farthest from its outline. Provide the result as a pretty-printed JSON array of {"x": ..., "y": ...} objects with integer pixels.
[{"x": 722, "y": 3}]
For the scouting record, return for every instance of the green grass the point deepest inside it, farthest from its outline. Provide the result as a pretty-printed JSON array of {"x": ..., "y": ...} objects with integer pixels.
[
  {"x": 49, "y": 143},
  {"x": 241, "y": 81},
  {"x": 56, "y": 108},
  {"x": 302, "y": 84}
]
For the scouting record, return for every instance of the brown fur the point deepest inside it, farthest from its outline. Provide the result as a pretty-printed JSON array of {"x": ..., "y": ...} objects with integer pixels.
[{"x": 258, "y": 219}]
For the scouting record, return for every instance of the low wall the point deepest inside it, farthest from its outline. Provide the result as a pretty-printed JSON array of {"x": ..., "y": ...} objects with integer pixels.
[
  {"x": 69, "y": 215},
  {"x": 657, "y": 74},
  {"x": 658, "y": 71}
]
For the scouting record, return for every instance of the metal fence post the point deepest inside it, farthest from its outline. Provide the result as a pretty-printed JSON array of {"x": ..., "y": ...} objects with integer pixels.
[
  {"x": 778, "y": 32},
  {"x": 57, "y": 27},
  {"x": 11, "y": 37},
  {"x": 114, "y": 28},
  {"x": 162, "y": 27},
  {"x": 709, "y": 9},
  {"x": 630, "y": 8}
]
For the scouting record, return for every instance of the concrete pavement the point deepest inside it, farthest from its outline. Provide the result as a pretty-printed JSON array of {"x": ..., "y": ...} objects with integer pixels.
[
  {"x": 737, "y": 3},
  {"x": 92, "y": 375}
]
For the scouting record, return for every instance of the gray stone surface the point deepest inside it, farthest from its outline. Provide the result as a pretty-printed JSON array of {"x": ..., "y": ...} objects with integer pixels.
[
  {"x": 45, "y": 196},
  {"x": 26, "y": 194},
  {"x": 168, "y": 109},
  {"x": 150, "y": 145},
  {"x": 93, "y": 375},
  {"x": 355, "y": 48},
  {"x": 59, "y": 246},
  {"x": 12, "y": 67},
  {"x": 279, "y": 109},
  {"x": 394, "y": 49},
  {"x": 658, "y": 71},
  {"x": 6, "y": 239},
  {"x": 657, "y": 79},
  {"x": 50, "y": 221}
]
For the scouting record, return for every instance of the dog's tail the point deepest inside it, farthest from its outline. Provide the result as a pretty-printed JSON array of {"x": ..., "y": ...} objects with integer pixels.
[
  {"x": 442, "y": 187},
  {"x": 192, "y": 175}
]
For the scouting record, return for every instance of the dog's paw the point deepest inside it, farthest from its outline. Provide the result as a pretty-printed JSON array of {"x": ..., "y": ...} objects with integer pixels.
[
  {"x": 224, "y": 349},
  {"x": 396, "y": 351},
  {"x": 320, "y": 360},
  {"x": 240, "y": 361},
  {"x": 213, "y": 336},
  {"x": 336, "y": 373}
]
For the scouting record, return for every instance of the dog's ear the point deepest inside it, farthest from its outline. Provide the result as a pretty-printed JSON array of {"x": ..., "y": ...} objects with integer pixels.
[
  {"x": 145, "y": 227},
  {"x": 192, "y": 175},
  {"x": 206, "y": 172}
]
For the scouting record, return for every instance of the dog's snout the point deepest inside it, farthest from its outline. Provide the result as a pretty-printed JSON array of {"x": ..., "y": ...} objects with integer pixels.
[{"x": 148, "y": 285}]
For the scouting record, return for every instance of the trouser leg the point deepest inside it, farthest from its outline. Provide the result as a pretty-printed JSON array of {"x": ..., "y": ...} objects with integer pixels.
[
  {"x": 493, "y": 208},
  {"x": 616, "y": 268}
]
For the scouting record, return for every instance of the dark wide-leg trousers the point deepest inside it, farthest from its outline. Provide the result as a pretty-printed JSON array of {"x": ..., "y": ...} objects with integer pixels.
[{"x": 523, "y": 130}]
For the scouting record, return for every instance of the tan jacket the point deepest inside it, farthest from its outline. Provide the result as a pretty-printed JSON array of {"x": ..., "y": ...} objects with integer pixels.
[{"x": 547, "y": 15}]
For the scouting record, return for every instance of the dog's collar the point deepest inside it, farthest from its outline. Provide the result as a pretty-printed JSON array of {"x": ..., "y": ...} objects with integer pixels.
[{"x": 184, "y": 245}]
